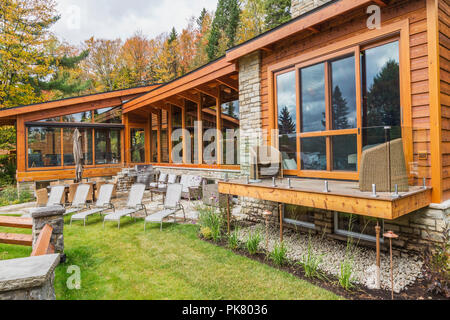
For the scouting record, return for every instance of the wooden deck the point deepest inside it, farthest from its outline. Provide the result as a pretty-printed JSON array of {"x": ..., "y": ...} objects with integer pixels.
[{"x": 344, "y": 196}]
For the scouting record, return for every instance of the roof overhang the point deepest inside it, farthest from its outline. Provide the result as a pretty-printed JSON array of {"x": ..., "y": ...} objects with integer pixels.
[
  {"x": 8, "y": 116},
  {"x": 211, "y": 72},
  {"x": 308, "y": 21}
]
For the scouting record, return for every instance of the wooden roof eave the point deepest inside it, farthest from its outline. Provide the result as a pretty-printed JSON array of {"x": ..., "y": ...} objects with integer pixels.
[
  {"x": 40, "y": 107},
  {"x": 307, "y": 22},
  {"x": 182, "y": 84}
]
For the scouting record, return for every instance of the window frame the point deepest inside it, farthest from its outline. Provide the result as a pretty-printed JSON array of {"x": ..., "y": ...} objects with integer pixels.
[{"x": 396, "y": 31}]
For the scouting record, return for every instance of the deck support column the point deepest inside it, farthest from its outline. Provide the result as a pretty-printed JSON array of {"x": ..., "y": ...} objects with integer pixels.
[
  {"x": 280, "y": 210},
  {"x": 377, "y": 279}
]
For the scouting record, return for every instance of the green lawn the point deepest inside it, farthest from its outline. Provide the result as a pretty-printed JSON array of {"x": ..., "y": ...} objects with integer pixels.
[{"x": 173, "y": 264}]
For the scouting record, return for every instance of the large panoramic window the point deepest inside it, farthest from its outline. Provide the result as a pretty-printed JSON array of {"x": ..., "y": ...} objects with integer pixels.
[
  {"x": 108, "y": 115},
  {"x": 230, "y": 124},
  {"x": 209, "y": 125},
  {"x": 287, "y": 119},
  {"x": 107, "y": 146},
  {"x": 44, "y": 147},
  {"x": 191, "y": 127},
  {"x": 137, "y": 145},
  {"x": 380, "y": 69},
  {"x": 86, "y": 146},
  {"x": 164, "y": 136},
  {"x": 328, "y": 122}
]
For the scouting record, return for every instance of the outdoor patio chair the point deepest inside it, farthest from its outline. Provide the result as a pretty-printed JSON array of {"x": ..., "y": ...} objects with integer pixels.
[
  {"x": 162, "y": 181},
  {"x": 41, "y": 197},
  {"x": 192, "y": 187},
  {"x": 79, "y": 202},
  {"x": 134, "y": 204},
  {"x": 171, "y": 206},
  {"x": 55, "y": 198},
  {"x": 103, "y": 203}
]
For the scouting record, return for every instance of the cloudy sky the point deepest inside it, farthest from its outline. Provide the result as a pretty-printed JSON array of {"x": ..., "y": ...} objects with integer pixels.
[{"x": 82, "y": 19}]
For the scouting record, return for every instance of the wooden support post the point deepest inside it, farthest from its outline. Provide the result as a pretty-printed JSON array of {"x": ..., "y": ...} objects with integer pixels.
[
  {"x": 377, "y": 232},
  {"x": 280, "y": 209},
  {"x": 228, "y": 213}
]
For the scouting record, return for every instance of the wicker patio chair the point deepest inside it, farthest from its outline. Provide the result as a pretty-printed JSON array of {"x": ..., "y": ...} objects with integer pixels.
[{"x": 382, "y": 164}]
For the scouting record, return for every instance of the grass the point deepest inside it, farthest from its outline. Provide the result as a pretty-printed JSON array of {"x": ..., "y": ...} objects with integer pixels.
[{"x": 172, "y": 264}]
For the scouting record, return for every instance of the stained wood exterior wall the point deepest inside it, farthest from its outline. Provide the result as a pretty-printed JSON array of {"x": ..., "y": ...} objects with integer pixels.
[
  {"x": 444, "y": 62},
  {"x": 354, "y": 25}
]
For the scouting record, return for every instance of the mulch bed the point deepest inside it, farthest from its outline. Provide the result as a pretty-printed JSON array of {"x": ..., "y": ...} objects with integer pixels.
[{"x": 417, "y": 291}]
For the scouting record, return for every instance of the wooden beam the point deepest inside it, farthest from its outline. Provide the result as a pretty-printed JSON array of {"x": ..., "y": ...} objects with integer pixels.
[
  {"x": 206, "y": 90},
  {"x": 200, "y": 130},
  {"x": 175, "y": 101},
  {"x": 191, "y": 97},
  {"x": 434, "y": 98},
  {"x": 230, "y": 83},
  {"x": 381, "y": 3}
]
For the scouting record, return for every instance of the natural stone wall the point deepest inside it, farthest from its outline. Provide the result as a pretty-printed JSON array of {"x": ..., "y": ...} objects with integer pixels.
[
  {"x": 210, "y": 174},
  {"x": 26, "y": 186},
  {"x": 53, "y": 216},
  {"x": 29, "y": 278},
  {"x": 249, "y": 107},
  {"x": 299, "y": 7}
]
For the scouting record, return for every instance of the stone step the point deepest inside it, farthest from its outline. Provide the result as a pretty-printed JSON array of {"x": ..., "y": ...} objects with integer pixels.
[
  {"x": 16, "y": 222},
  {"x": 19, "y": 239}
]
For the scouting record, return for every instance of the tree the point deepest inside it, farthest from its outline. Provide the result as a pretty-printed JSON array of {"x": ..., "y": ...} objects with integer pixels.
[
  {"x": 285, "y": 123},
  {"x": 340, "y": 110},
  {"x": 135, "y": 57},
  {"x": 24, "y": 42},
  {"x": 224, "y": 27},
  {"x": 277, "y": 12},
  {"x": 383, "y": 98},
  {"x": 103, "y": 63},
  {"x": 251, "y": 22}
]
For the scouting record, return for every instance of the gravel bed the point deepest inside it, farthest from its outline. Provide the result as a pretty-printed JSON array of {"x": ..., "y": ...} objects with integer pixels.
[{"x": 407, "y": 268}]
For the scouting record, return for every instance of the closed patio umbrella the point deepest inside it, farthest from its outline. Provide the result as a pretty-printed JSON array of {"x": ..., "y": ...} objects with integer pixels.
[{"x": 77, "y": 155}]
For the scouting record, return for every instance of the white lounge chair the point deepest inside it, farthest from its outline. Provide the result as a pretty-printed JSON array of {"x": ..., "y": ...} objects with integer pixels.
[
  {"x": 134, "y": 204},
  {"x": 172, "y": 205},
  {"x": 162, "y": 181},
  {"x": 55, "y": 197},
  {"x": 103, "y": 203},
  {"x": 79, "y": 200}
]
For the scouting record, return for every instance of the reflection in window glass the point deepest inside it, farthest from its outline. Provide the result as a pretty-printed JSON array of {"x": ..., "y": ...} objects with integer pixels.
[
  {"x": 137, "y": 145},
  {"x": 57, "y": 119},
  {"x": 230, "y": 126},
  {"x": 164, "y": 137},
  {"x": 86, "y": 146},
  {"x": 177, "y": 126},
  {"x": 44, "y": 147},
  {"x": 191, "y": 118},
  {"x": 209, "y": 130},
  {"x": 154, "y": 139},
  {"x": 107, "y": 146},
  {"x": 108, "y": 115},
  {"x": 299, "y": 215},
  {"x": 356, "y": 226},
  {"x": 313, "y": 98},
  {"x": 78, "y": 117},
  {"x": 381, "y": 93},
  {"x": 313, "y": 153},
  {"x": 343, "y": 95},
  {"x": 345, "y": 153},
  {"x": 287, "y": 119}
]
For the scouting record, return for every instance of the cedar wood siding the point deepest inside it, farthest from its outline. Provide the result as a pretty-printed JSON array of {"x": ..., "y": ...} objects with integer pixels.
[
  {"x": 444, "y": 41},
  {"x": 355, "y": 24}
]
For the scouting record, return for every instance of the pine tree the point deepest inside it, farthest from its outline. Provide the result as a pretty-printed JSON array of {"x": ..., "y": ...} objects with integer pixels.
[
  {"x": 201, "y": 18},
  {"x": 340, "y": 110},
  {"x": 383, "y": 98},
  {"x": 277, "y": 12},
  {"x": 285, "y": 123},
  {"x": 224, "y": 27}
]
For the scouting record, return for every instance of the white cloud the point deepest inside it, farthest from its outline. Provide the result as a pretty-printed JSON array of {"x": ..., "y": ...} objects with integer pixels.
[{"x": 82, "y": 19}]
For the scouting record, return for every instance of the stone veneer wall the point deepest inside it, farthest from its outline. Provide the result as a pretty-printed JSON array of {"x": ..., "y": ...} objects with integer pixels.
[
  {"x": 210, "y": 174},
  {"x": 249, "y": 107},
  {"x": 299, "y": 7}
]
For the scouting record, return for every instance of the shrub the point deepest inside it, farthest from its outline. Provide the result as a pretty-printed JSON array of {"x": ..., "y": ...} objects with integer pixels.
[
  {"x": 437, "y": 266},
  {"x": 233, "y": 239},
  {"x": 9, "y": 196},
  {"x": 7, "y": 170},
  {"x": 206, "y": 233},
  {"x": 310, "y": 262},
  {"x": 279, "y": 254},
  {"x": 211, "y": 218},
  {"x": 253, "y": 241}
]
